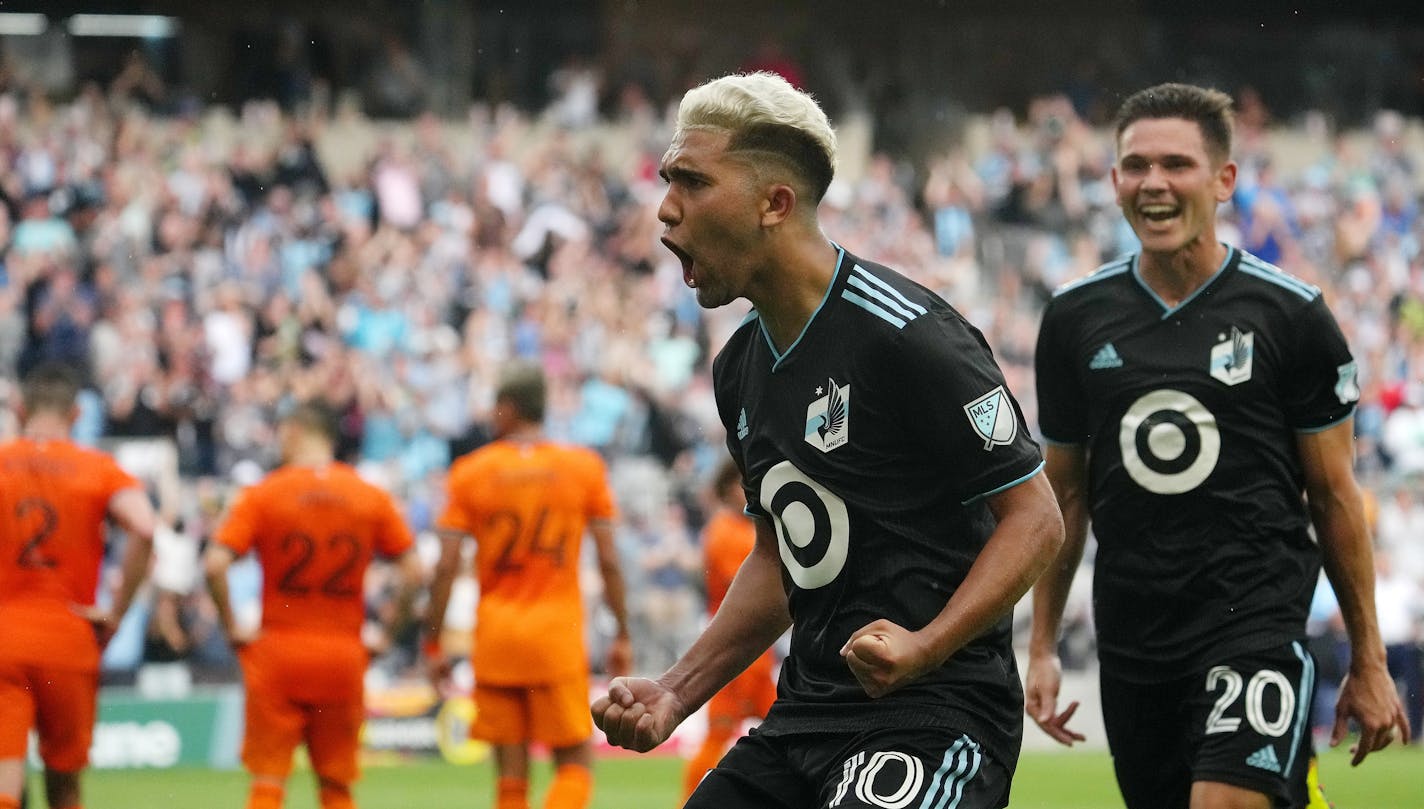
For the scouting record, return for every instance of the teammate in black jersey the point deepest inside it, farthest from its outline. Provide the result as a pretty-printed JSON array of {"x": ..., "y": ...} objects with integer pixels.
[
  {"x": 1191, "y": 395},
  {"x": 900, "y": 508}
]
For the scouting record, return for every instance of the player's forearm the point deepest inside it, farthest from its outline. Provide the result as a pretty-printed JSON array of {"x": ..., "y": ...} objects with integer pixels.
[
  {"x": 441, "y": 583},
  {"x": 1349, "y": 565},
  {"x": 615, "y": 596},
  {"x": 131, "y": 510},
  {"x": 615, "y": 588},
  {"x": 752, "y": 616},
  {"x": 1065, "y": 466},
  {"x": 1029, "y": 534},
  {"x": 408, "y": 587},
  {"x": 1050, "y": 592},
  {"x": 132, "y": 571},
  {"x": 215, "y": 565}
]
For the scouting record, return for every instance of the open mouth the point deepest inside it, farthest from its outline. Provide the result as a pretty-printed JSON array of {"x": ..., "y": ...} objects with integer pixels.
[
  {"x": 688, "y": 277},
  {"x": 1158, "y": 212}
]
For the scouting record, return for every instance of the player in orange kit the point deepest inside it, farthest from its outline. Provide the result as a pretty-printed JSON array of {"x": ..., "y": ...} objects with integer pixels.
[
  {"x": 55, "y": 498},
  {"x": 726, "y": 541},
  {"x": 528, "y": 502},
  {"x": 315, "y": 525}
]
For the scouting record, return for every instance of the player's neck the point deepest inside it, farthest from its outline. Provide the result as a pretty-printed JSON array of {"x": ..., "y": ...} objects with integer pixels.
[
  {"x": 1175, "y": 276},
  {"x": 312, "y": 456},
  {"x": 794, "y": 286},
  {"x": 523, "y": 434},
  {"x": 47, "y": 427}
]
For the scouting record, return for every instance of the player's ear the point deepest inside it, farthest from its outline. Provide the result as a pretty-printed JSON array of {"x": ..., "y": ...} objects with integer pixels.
[
  {"x": 1225, "y": 181},
  {"x": 777, "y": 204}
]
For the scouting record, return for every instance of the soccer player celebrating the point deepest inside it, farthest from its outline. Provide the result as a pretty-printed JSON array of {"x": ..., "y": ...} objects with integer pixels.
[
  {"x": 55, "y": 499},
  {"x": 315, "y": 526},
  {"x": 528, "y": 503},
  {"x": 1191, "y": 394},
  {"x": 899, "y": 507},
  {"x": 726, "y": 540}
]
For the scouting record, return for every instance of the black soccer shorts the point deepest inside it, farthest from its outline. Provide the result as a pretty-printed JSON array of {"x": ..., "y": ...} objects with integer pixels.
[
  {"x": 888, "y": 768},
  {"x": 1244, "y": 721}
]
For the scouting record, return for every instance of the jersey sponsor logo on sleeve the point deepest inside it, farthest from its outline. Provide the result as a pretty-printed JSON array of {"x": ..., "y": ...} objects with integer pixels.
[
  {"x": 1231, "y": 358},
  {"x": 993, "y": 418},
  {"x": 742, "y": 429},
  {"x": 828, "y": 418},
  {"x": 1347, "y": 383}
]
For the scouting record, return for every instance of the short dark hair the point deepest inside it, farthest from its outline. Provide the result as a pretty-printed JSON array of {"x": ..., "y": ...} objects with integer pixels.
[
  {"x": 522, "y": 384},
  {"x": 52, "y": 387},
  {"x": 316, "y": 417},
  {"x": 1209, "y": 109}
]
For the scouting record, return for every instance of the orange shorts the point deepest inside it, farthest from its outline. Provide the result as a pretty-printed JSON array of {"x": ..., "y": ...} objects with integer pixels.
[
  {"x": 749, "y": 696},
  {"x": 303, "y": 690},
  {"x": 60, "y": 705},
  {"x": 555, "y": 714}
]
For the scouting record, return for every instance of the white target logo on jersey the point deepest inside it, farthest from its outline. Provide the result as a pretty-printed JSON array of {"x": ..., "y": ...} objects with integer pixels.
[
  {"x": 812, "y": 525},
  {"x": 1170, "y": 442}
]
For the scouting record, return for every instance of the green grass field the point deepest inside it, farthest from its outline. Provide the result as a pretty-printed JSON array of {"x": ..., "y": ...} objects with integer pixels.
[{"x": 1391, "y": 779}]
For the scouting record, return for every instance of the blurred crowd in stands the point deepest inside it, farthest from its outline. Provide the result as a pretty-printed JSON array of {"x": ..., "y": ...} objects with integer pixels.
[{"x": 206, "y": 267}]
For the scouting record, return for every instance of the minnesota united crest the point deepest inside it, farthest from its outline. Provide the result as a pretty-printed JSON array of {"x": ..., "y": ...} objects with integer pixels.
[
  {"x": 1231, "y": 358},
  {"x": 993, "y": 418},
  {"x": 828, "y": 418}
]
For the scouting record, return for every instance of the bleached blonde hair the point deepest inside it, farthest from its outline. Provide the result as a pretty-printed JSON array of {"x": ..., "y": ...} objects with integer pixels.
[{"x": 768, "y": 119}]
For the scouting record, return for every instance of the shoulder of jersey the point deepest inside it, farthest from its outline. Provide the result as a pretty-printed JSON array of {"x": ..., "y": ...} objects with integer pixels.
[
  {"x": 1254, "y": 268},
  {"x": 885, "y": 296},
  {"x": 1117, "y": 268}
]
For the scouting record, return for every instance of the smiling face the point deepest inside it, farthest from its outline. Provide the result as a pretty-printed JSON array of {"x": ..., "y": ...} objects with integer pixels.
[
  {"x": 1168, "y": 185},
  {"x": 712, "y": 213}
]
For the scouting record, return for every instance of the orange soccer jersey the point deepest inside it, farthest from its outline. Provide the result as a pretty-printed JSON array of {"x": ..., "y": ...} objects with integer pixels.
[
  {"x": 727, "y": 539},
  {"x": 315, "y": 531},
  {"x": 56, "y": 502},
  {"x": 528, "y": 506}
]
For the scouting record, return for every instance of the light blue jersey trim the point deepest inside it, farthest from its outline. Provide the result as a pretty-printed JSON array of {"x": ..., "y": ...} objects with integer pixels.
[
  {"x": 1323, "y": 428},
  {"x": 880, "y": 299},
  {"x": 863, "y": 279},
  {"x": 964, "y": 757},
  {"x": 874, "y": 309},
  {"x": 1168, "y": 311},
  {"x": 777, "y": 357},
  {"x": 1103, "y": 273},
  {"x": 1257, "y": 268},
  {"x": 1302, "y": 699},
  {"x": 976, "y": 498}
]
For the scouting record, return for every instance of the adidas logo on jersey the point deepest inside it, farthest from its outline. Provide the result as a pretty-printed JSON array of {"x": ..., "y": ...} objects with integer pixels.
[
  {"x": 1106, "y": 357},
  {"x": 742, "y": 429},
  {"x": 1265, "y": 759}
]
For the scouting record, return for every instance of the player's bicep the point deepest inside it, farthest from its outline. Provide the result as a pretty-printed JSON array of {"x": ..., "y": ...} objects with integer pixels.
[{"x": 1327, "y": 459}]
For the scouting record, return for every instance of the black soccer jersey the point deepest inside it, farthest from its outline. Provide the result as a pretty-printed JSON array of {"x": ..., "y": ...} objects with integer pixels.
[
  {"x": 871, "y": 444},
  {"x": 1190, "y": 416}
]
